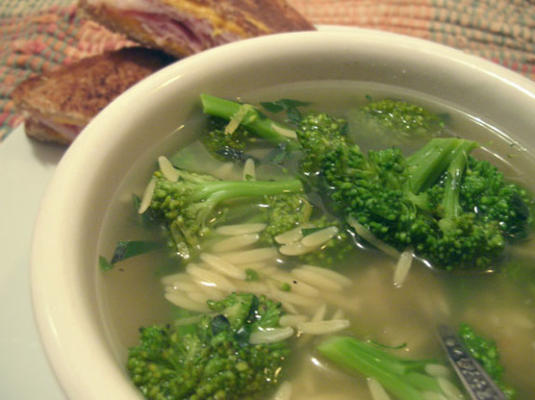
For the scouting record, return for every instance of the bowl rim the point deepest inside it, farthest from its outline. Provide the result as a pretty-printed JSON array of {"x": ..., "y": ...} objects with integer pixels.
[{"x": 54, "y": 318}]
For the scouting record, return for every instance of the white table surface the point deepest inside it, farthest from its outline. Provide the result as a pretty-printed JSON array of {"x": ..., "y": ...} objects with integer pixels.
[{"x": 25, "y": 169}]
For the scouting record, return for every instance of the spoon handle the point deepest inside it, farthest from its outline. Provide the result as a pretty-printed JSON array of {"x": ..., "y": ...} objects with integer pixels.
[{"x": 474, "y": 378}]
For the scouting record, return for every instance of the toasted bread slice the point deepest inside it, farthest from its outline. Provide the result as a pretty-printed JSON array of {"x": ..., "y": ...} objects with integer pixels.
[
  {"x": 185, "y": 27},
  {"x": 58, "y": 104}
]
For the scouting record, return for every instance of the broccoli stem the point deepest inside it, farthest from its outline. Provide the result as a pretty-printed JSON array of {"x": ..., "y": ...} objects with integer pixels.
[
  {"x": 429, "y": 162},
  {"x": 387, "y": 370},
  {"x": 454, "y": 173},
  {"x": 255, "y": 121},
  {"x": 225, "y": 190}
]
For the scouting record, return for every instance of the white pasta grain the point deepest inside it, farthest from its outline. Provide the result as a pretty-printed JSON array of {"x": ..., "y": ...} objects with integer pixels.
[
  {"x": 319, "y": 314},
  {"x": 293, "y": 235},
  {"x": 437, "y": 370},
  {"x": 289, "y": 307},
  {"x": 212, "y": 292},
  {"x": 323, "y": 327},
  {"x": 235, "y": 242},
  {"x": 284, "y": 392},
  {"x": 271, "y": 335},
  {"x": 168, "y": 171},
  {"x": 295, "y": 249},
  {"x": 210, "y": 278},
  {"x": 249, "y": 172},
  {"x": 292, "y": 320},
  {"x": 258, "y": 266},
  {"x": 370, "y": 238},
  {"x": 171, "y": 279},
  {"x": 225, "y": 171},
  {"x": 198, "y": 296},
  {"x": 184, "y": 286},
  {"x": 297, "y": 286},
  {"x": 258, "y": 288},
  {"x": 290, "y": 133},
  {"x": 317, "y": 280},
  {"x": 403, "y": 267},
  {"x": 147, "y": 196},
  {"x": 293, "y": 298},
  {"x": 376, "y": 390},
  {"x": 450, "y": 390},
  {"x": 240, "y": 229},
  {"x": 320, "y": 237},
  {"x": 330, "y": 274},
  {"x": 251, "y": 256},
  {"x": 181, "y": 300},
  {"x": 223, "y": 266}
]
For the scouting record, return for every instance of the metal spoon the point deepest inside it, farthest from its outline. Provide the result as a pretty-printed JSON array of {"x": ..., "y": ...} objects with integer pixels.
[{"x": 476, "y": 381}]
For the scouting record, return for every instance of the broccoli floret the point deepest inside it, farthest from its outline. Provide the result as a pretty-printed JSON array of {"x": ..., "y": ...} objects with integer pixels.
[
  {"x": 317, "y": 133},
  {"x": 485, "y": 190},
  {"x": 284, "y": 212},
  {"x": 387, "y": 193},
  {"x": 487, "y": 355},
  {"x": 225, "y": 145},
  {"x": 192, "y": 204},
  {"x": 394, "y": 122},
  {"x": 211, "y": 359},
  {"x": 403, "y": 378}
]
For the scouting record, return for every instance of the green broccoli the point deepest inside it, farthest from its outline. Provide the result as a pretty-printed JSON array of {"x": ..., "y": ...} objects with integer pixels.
[
  {"x": 213, "y": 358},
  {"x": 225, "y": 146},
  {"x": 393, "y": 122},
  {"x": 485, "y": 190},
  {"x": 284, "y": 212},
  {"x": 318, "y": 133},
  {"x": 403, "y": 378},
  {"x": 251, "y": 118},
  {"x": 414, "y": 202},
  {"x": 451, "y": 209},
  {"x": 486, "y": 353},
  {"x": 192, "y": 204}
]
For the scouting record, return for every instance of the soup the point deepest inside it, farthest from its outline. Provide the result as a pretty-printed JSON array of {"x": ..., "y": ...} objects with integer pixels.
[{"x": 360, "y": 290}]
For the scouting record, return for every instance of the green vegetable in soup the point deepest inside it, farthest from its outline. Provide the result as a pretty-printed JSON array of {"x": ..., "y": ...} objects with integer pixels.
[
  {"x": 226, "y": 146},
  {"x": 452, "y": 210},
  {"x": 249, "y": 117},
  {"x": 486, "y": 353},
  {"x": 394, "y": 122},
  {"x": 211, "y": 358},
  {"x": 403, "y": 378},
  {"x": 284, "y": 212},
  {"x": 191, "y": 205}
]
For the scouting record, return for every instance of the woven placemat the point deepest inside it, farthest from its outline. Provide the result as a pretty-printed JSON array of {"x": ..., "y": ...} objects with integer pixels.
[{"x": 40, "y": 34}]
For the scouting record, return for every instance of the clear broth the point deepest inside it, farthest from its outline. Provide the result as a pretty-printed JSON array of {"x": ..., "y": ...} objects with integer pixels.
[{"x": 131, "y": 295}]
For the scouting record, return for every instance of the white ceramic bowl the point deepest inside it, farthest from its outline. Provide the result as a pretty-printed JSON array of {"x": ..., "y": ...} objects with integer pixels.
[{"x": 64, "y": 259}]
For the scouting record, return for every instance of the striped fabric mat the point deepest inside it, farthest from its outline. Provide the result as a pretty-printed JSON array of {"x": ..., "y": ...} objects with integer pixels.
[{"x": 40, "y": 34}]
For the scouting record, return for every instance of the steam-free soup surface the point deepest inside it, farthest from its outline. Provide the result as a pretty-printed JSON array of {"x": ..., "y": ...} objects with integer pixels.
[{"x": 131, "y": 295}]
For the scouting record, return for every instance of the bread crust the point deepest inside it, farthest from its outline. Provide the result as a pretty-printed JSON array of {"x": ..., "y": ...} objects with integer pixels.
[
  {"x": 72, "y": 95},
  {"x": 225, "y": 20},
  {"x": 43, "y": 133}
]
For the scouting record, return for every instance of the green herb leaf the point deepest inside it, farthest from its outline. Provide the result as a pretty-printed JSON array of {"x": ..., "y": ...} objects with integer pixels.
[
  {"x": 127, "y": 249},
  {"x": 104, "y": 264},
  {"x": 288, "y": 105}
]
